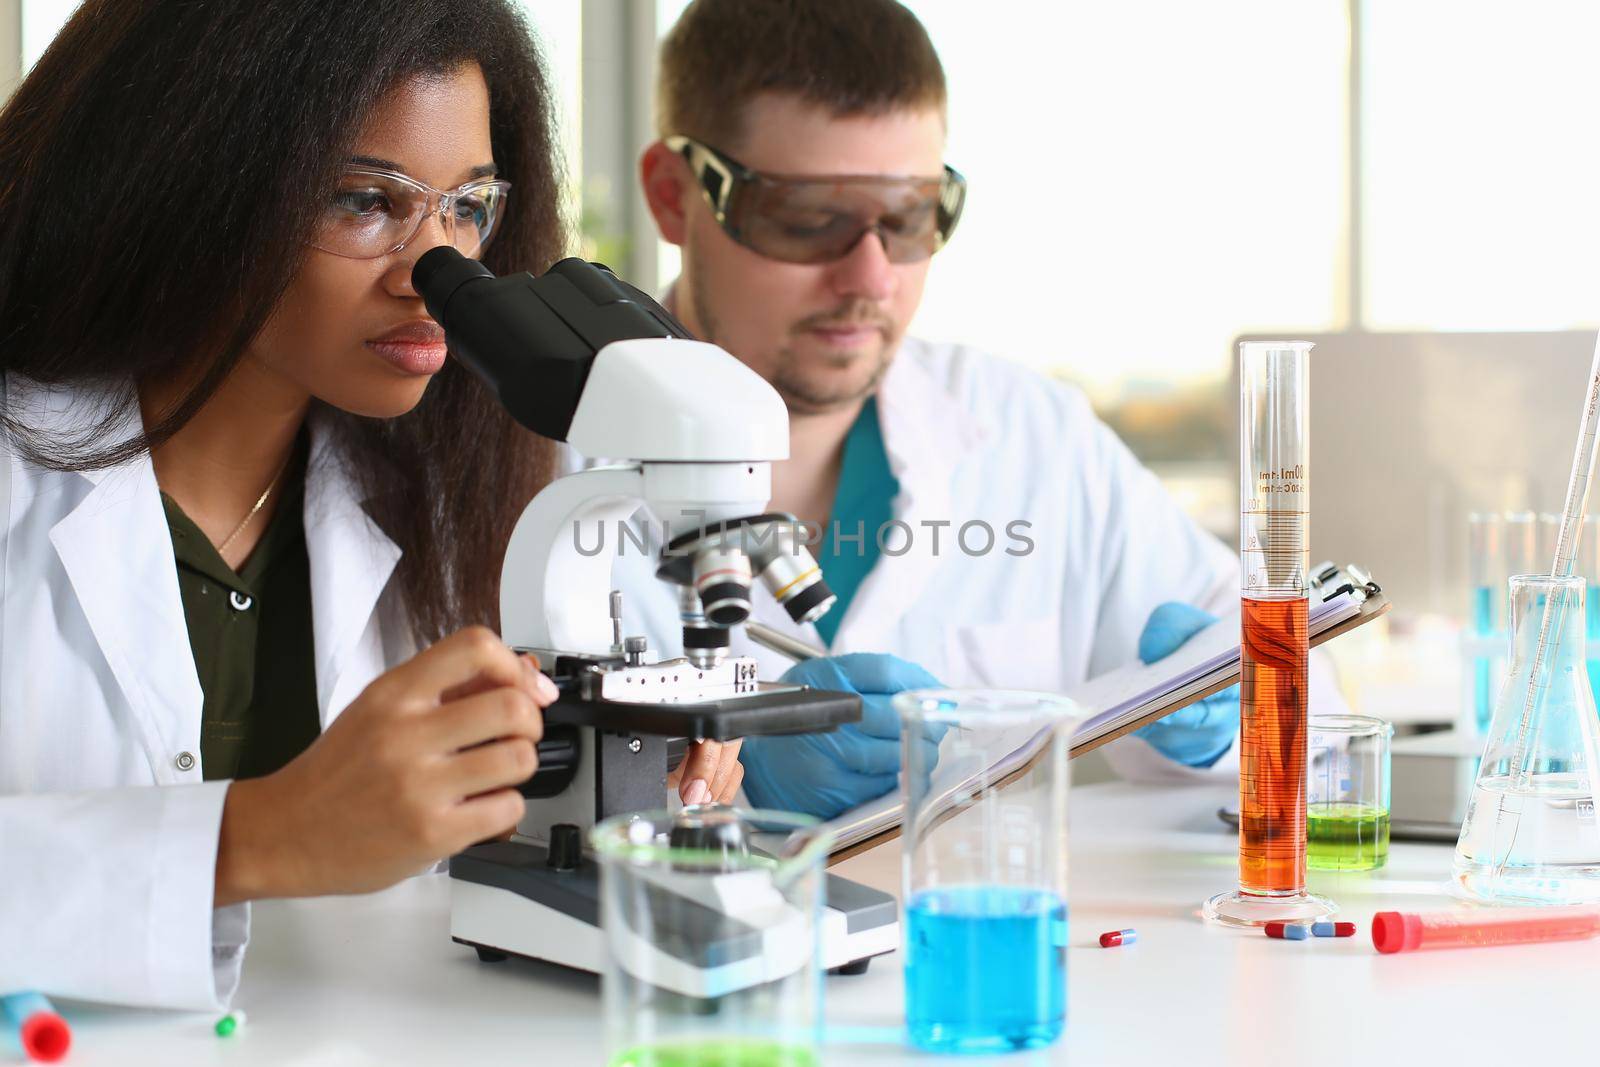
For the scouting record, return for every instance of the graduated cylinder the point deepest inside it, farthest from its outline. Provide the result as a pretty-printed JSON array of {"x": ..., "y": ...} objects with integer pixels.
[
  {"x": 1274, "y": 644},
  {"x": 1275, "y": 498}
]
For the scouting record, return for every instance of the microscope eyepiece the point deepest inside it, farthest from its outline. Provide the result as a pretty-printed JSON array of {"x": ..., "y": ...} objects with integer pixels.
[
  {"x": 532, "y": 340},
  {"x": 437, "y": 275}
]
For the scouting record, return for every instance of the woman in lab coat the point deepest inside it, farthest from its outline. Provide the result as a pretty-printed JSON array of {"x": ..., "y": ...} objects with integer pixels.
[{"x": 241, "y": 486}]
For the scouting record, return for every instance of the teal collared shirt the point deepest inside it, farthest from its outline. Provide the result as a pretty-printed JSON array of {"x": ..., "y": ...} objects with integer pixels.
[{"x": 862, "y": 506}]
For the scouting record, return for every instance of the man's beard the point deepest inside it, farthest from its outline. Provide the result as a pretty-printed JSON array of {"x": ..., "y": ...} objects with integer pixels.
[
  {"x": 794, "y": 378},
  {"x": 789, "y": 376}
]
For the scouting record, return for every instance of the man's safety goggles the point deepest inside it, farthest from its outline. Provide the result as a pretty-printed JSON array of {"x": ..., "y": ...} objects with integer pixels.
[{"x": 808, "y": 219}]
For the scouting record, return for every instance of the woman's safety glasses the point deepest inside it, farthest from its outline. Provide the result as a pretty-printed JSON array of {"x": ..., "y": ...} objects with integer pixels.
[
  {"x": 807, "y": 219},
  {"x": 378, "y": 212}
]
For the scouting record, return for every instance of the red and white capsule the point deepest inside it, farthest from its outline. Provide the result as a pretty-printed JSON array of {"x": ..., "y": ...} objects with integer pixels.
[{"x": 1114, "y": 938}]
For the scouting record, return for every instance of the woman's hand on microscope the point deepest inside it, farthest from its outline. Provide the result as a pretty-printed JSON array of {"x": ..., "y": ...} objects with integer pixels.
[
  {"x": 709, "y": 773},
  {"x": 422, "y": 764}
]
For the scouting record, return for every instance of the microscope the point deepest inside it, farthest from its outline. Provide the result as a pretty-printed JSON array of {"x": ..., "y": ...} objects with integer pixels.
[{"x": 577, "y": 355}]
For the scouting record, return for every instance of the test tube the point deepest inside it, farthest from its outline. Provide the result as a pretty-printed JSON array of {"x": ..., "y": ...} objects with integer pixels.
[
  {"x": 1545, "y": 546},
  {"x": 1520, "y": 554},
  {"x": 1274, "y": 643},
  {"x": 1398, "y": 931},
  {"x": 43, "y": 1035},
  {"x": 1522, "y": 544},
  {"x": 1485, "y": 551},
  {"x": 1587, "y": 564}
]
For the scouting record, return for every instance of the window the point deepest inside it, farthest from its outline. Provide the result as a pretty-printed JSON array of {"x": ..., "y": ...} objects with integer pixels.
[
  {"x": 1149, "y": 179},
  {"x": 40, "y": 21},
  {"x": 556, "y": 24},
  {"x": 1480, "y": 155}
]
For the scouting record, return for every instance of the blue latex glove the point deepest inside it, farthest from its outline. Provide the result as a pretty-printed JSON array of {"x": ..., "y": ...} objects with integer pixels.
[
  {"x": 1201, "y": 733},
  {"x": 827, "y": 774}
]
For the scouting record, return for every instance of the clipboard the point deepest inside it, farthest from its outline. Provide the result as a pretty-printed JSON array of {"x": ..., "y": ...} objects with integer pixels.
[
  {"x": 1345, "y": 597},
  {"x": 1329, "y": 582}
]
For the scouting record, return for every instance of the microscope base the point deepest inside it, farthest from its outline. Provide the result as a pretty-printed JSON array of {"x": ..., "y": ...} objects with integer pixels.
[{"x": 505, "y": 900}]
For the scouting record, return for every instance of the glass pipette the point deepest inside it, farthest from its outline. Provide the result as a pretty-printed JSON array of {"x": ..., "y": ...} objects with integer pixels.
[{"x": 1566, "y": 551}]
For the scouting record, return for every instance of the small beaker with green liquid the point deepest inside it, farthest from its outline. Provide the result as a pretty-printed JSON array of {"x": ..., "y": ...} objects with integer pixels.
[
  {"x": 1347, "y": 793},
  {"x": 712, "y": 920}
]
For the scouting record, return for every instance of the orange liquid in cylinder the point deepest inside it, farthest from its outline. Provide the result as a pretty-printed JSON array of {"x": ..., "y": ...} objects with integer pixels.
[{"x": 1274, "y": 650}]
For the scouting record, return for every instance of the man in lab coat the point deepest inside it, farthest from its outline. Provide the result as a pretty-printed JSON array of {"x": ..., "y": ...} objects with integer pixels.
[{"x": 976, "y": 518}]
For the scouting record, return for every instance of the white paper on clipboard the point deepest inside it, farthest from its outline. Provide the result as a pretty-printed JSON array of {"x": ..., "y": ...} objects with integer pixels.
[{"x": 1109, "y": 702}]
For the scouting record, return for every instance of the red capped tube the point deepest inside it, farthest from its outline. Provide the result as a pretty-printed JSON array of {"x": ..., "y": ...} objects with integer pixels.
[
  {"x": 44, "y": 1035},
  {"x": 1396, "y": 931}
]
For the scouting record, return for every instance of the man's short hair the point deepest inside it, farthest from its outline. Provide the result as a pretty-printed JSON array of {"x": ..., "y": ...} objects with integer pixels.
[{"x": 852, "y": 57}]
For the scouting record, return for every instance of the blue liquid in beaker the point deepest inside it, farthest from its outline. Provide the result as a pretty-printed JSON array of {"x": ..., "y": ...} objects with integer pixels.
[{"x": 986, "y": 968}]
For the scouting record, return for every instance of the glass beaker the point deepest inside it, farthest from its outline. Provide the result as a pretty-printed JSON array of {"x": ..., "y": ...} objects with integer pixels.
[
  {"x": 1530, "y": 835},
  {"x": 984, "y": 867},
  {"x": 713, "y": 946},
  {"x": 1347, "y": 793}
]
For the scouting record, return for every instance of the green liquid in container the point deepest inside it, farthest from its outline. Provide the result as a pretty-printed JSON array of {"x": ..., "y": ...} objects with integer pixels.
[
  {"x": 1346, "y": 837},
  {"x": 717, "y": 1053}
]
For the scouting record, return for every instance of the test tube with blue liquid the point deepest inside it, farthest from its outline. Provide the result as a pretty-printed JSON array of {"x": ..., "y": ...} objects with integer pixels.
[
  {"x": 1587, "y": 564},
  {"x": 984, "y": 867},
  {"x": 1485, "y": 541}
]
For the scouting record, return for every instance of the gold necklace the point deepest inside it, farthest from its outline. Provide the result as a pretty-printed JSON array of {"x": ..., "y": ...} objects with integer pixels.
[{"x": 260, "y": 500}]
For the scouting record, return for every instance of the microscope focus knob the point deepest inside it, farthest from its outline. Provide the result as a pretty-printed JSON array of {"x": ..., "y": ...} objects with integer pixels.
[{"x": 566, "y": 847}]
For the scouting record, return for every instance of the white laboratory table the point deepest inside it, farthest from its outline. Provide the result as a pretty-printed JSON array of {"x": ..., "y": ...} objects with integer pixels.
[{"x": 376, "y": 980}]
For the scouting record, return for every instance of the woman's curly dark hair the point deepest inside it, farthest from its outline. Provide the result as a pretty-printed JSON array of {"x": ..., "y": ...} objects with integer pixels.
[{"x": 161, "y": 169}]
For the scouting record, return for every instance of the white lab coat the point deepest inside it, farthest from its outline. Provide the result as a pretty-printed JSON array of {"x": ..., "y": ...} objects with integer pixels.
[
  {"x": 973, "y": 437},
  {"x": 108, "y": 835}
]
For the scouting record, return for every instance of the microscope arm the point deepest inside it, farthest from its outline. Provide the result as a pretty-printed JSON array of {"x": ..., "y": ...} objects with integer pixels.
[
  {"x": 552, "y": 587},
  {"x": 547, "y": 590}
]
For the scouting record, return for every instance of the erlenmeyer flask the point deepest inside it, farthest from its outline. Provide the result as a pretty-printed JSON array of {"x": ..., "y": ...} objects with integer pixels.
[{"x": 1530, "y": 835}]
